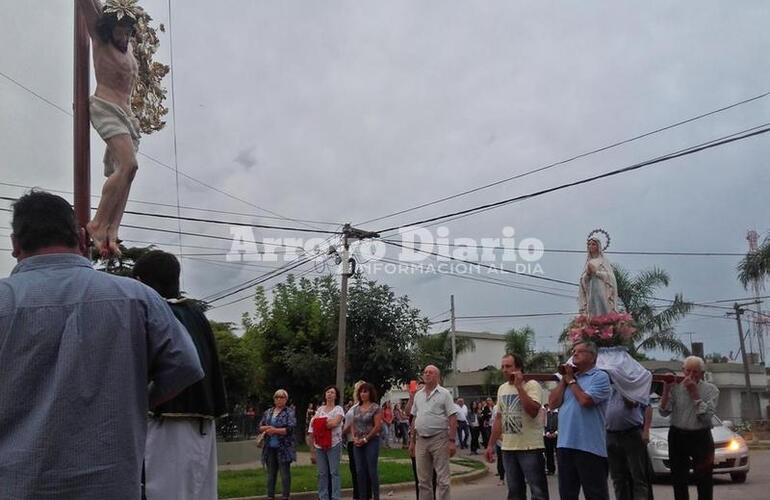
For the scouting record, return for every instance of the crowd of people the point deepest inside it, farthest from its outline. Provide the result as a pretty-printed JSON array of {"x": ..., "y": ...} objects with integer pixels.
[{"x": 126, "y": 372}]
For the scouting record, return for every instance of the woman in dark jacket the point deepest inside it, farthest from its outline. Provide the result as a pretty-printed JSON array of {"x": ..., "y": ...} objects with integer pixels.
[{"x": 278, "y": 451}]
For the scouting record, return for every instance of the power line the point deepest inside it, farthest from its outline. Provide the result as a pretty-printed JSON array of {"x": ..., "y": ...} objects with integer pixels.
[
  {"x": 158, "y": 162},
  {"x": 568, "y": 160},
  {"x": 583, "y": 251},
  {"x": 254, "y": 282},
  {"x": 493, "y": 281},
  {"x": 213, "y": 221},
  {"x": 173, "y": 128},
  {"x": 185, "y": 207},
  {"x": 534, "y": 276},
  {"x": 738, "y": 136}
]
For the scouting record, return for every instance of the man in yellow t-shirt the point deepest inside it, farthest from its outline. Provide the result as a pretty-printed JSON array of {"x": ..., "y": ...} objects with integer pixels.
[{"x": 517, "y": 422}]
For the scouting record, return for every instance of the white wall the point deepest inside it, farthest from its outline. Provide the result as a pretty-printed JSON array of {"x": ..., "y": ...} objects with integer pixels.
[{"x": 488, "y": 352}]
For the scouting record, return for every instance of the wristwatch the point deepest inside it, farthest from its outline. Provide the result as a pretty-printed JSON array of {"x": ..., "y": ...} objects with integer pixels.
[{"x": 573, "y": 381}]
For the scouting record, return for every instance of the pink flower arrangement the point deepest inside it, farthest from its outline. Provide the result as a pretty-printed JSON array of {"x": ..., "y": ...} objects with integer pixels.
[{"x": 613, "y": 329}]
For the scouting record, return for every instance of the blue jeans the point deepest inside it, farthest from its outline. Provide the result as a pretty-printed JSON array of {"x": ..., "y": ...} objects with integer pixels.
[
  {"x": 328, "y": 463},
  {"x": 522, "y": 468},
  {"x": 273, "y": 466},
  {"x": 366, "y": 457}
]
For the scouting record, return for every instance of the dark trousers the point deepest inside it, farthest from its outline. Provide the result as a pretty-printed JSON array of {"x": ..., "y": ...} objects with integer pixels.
[
  {"x": 462, "y": 434},
  {"x": 417, "y": 483},
  {"x": 475, "y": 431},
  {"x": 500, "y": 464},
  {"x": 698, "y": 447},
  {"x": 550, "y": 451},
  {"x": 522, "y": 468},
  {"x": 485, "y": 432},
  {"x": 367, "y": 470},
  {"x": 627, "y": 457},
  {"x": 352, "y": 465},
  {"x": 273, "y": 466},
  {"x": 582, "y": 469}
]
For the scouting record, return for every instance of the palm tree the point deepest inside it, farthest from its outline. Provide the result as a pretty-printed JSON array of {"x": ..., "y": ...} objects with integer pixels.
[
  {"x": 756, "y": 265},
  {"x": 521, "y": 342},
  {"x": 436, "y": 350},
  {"x": 654, "y": 325}
]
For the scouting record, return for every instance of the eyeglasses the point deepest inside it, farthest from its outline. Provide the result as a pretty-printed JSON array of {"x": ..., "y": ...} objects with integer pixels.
[{"x": 279, "y": 397}]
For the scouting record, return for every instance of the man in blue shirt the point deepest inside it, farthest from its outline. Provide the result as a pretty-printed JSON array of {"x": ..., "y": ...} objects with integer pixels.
[
  {"x": 83, "y": 354},
  {"x": 581, "y": 449}
]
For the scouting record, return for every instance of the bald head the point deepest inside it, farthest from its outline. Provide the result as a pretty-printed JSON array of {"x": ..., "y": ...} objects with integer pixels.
[{"x": 431, "y": 376}]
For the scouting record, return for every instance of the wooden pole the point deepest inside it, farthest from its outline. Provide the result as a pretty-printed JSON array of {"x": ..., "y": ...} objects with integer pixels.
[{"x": 81, "y": 125}]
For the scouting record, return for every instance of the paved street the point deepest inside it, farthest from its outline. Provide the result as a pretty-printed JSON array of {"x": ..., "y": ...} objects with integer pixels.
[{"x": 756, "y": 487}]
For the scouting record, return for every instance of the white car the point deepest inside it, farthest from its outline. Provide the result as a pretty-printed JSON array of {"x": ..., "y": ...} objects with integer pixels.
[{"x": 731, "y": 454}]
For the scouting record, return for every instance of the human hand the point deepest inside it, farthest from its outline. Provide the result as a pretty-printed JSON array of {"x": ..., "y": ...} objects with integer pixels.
[
  {"x": 590, "y": 270},
  {"x": 452, "y": 449},
  {"x": 646, "y": 436},
  {"x": 691, "y": 387},
  {"x": 312, "y": 458},
  {"x": 490, "y": 453},
  {"x": 411, "y": 449},
  {"x": 518, "y": 379},
  {"x": 569, "y": 373}
]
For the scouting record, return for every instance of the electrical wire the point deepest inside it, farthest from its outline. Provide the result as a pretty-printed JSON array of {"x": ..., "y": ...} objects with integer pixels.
[
  {"x": 213, "y": 221},
  {"x": 158, "y": 162},
  {"x": 573, "y": 158},
  {"x": 738, "y": 136},
  {"x": 583, "y": 251},
  {"x": 169, "y": 205}
]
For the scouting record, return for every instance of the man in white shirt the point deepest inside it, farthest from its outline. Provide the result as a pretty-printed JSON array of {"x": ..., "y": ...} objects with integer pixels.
[
  {"x": 433, "y": 434},
  {"x": 462, "y": 424}
]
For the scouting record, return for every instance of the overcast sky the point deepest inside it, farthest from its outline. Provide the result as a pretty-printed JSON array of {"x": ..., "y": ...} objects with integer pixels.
[{"x": 347, "y": 111}]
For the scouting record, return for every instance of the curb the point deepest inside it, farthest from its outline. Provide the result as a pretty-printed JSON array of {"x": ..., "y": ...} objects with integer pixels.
[{"x": 313, "y": 495}]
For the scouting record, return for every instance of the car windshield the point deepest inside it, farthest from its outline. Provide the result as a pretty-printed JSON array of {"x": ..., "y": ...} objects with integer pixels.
[{"x": 659, "y": 420}]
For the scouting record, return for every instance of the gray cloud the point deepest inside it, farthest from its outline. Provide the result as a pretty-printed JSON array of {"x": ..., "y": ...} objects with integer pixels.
[{"x": 357, "y": 109}]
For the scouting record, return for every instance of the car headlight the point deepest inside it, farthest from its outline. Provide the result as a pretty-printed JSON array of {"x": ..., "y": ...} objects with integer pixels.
[
  {"x": 659, "y": 444},
  {"x": 736, "y": 443}
]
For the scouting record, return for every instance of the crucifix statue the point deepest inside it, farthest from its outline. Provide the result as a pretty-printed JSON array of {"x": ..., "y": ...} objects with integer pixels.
[{"x": 126, "y": 102}]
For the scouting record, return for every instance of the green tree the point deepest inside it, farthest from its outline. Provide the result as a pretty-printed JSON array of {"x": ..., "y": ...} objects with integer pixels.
[
  {"x": 755, "y": 265},
  {"x": 436, "y": 350},
  {"x": 655, "y": 324},
  {"x": 239, "y": 363},
  {"x": 295, "y": 337},
  {"x": 383, "y": 332},
  {"x": 521, "y": 341}
]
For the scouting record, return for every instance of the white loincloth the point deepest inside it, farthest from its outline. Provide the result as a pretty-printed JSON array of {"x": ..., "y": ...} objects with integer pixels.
[
  {"x": 180, "y": 463},
  {"x": 110, "y": 120}
]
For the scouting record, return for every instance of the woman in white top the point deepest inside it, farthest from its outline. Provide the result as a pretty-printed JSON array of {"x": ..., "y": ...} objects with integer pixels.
[{"x": 328, "y": 459}]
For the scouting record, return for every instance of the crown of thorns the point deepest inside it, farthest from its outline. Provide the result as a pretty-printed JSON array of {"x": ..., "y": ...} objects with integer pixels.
[
  {"x": 123, "y": 8},
  {"x": 595, "y": 235}
]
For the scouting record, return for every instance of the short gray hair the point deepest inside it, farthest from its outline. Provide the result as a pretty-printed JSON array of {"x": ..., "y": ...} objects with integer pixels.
[
  {"x": 689, "y": 360},
  {"x": 590, "y": 346}
]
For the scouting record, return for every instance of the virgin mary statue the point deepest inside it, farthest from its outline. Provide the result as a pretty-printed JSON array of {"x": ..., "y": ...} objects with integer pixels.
[{"x": 598, "y": 293}]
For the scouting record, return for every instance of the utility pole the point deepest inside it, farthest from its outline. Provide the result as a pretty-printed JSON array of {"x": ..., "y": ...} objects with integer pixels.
[
  {"x": 453, "y": 335},
  {"x": 348, "y": 268},
  {"x": 81, "y": 125},
  {"x": 750, "y": 408},
  {"x": 453, "y": 332}
]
